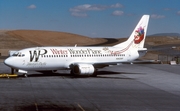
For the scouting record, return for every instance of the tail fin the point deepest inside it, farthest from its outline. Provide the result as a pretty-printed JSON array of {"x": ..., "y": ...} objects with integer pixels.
[{"x": 137, "y": 38}]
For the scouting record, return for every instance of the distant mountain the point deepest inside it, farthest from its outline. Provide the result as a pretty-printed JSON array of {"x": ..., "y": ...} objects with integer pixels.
[{"x": 166, "y": 34}]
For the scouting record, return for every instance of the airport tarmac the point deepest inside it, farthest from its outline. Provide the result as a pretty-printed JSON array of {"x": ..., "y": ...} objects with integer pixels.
[{"x": 136, "y": 87}]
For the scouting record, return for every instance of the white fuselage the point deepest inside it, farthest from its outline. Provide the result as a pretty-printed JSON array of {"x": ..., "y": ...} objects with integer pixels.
[{"x": 55, "y": 58}]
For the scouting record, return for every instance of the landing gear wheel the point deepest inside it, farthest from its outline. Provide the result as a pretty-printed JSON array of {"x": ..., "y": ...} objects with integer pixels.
[
  {"x": 72, "y": 73},
  {"x": 95, "y": 73},
  {"x": 25, "y": 75},
  {"x": 12, "y": 70}
]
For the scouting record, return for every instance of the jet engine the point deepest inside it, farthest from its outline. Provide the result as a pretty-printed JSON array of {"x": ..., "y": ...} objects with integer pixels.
[{"x": 83, "y": 69}]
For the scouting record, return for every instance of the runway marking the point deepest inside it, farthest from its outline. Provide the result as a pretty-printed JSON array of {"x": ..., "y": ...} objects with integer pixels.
[
  {"x": 80, "y": 107},
  {"x": 36, "y": 106}
]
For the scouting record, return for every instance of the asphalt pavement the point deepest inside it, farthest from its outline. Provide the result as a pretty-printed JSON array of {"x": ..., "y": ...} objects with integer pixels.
[{"x": 136, "y": 87}]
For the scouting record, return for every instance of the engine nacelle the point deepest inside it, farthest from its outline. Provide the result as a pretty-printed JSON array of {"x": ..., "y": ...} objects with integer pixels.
[{"x": 83, "y": 69}]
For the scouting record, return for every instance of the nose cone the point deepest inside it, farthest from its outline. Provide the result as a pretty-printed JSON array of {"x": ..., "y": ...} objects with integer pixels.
[{"x": 9, "y": 62}]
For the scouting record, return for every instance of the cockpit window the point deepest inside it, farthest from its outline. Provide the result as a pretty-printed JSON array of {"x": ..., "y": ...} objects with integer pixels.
[
  {"x": 15, "y": 54},
  {"x": 18, "y": 54}
]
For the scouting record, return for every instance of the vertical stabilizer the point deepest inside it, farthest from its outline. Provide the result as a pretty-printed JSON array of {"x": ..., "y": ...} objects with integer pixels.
[{"x": 137, "y": 38}]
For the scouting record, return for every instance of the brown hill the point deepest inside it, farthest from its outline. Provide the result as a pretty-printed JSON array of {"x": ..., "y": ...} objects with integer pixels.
[
  {"x": 50, "y": 38},
  {"x": 162, "y": 40},
  {"x": 19, "y": 39}
]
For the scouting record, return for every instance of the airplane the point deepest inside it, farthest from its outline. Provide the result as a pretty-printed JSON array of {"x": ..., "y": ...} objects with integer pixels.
[{"x": 81, "y": 60}]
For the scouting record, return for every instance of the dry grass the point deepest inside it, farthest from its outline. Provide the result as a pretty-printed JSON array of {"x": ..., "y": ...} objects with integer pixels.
[{"x": 50, "y": 38}]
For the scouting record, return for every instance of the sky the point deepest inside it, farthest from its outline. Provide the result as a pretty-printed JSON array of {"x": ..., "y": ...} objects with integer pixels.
[{"x": 92, "y": 18}]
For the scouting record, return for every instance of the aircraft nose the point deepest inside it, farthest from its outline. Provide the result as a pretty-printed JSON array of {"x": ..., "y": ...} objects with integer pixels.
[{"x": 8, "y": 62}]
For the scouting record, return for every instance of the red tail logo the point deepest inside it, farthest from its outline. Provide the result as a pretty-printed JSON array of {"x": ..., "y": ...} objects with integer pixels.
[{"x": 139, "y": 35}]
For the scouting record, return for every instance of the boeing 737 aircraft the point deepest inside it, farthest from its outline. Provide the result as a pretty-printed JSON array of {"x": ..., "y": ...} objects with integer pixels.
[{"x": 81, "y": 60}]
